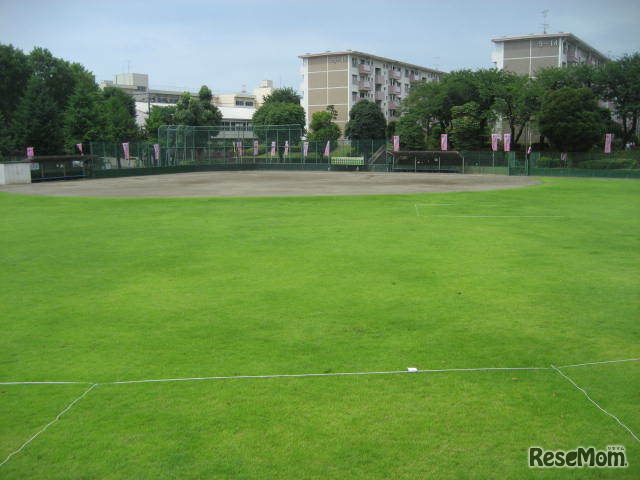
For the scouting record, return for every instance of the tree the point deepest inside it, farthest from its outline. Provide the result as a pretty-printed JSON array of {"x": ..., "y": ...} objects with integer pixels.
[
  {"x": 619, "y": 83},
  {"x": 58, "y": 75},
  {"x": 412, "y": 135},
  {"x": 323, "y": 129},
  {"x": 283, "y": 95},
  {"x": 118, "y": 116},
  {"x": 466, "y": 127},
  {"x": 6, "y": 140},
  {"x": 571, "y": 119},
  {"x": 15, "y": 73},
  {"x": 197, "y": 111},
  {"x": 83, "y": 121},
  {"x": 36, "y": 123},
  {"x": 517, "y": 100},
  {"x": 278, "y": 113},
  {"x": 157, "y": 117},
  {"x": 366, "y": 122},
  {"x": 332, "y": 110}
]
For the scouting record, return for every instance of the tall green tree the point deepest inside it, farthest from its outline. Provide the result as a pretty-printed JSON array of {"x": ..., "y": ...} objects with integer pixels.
[
  {"x": 36, "y": 122},
  {"x": 571, "y": 119},
  {"x": 118, "y": 116},
  {"x": 83, "y": 119},
  {"x": 466, "y": 126},
  {"x": 517, "y": 99},
  {"x": 619, "y": 83},
  {"x": 323, "y": 128},
  {"x": 283, "y": 95},
  {"x": 157, "y": 117},
  {"x": 366, "y": 122},
  {"x": 412, "y": 135},
  {"x": 58, "y": 75},
  {"x": 197, "y": 111},
  {"x": 14, "y": 75},
  {"x": 279, "y": 113}
]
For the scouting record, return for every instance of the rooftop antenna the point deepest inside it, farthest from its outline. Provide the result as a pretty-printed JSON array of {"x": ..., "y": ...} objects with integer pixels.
[
  {"x": 244, "y": 88},
  {"x": 545, "y": 25}
]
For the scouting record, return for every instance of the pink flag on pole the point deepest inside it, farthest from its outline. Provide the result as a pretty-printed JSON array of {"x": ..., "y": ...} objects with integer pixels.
[
  {"x": 79, "y": 147},
  {"x": 608, "y": 141},
  {"x": 125, "y": 149},
  {"x": 286, "y": 147},
  {"x": 495, "y": 139},
  {"x": 396, "y": 143},
  {"x": 507, "y": 142},
  {"x": 255, "y": 147},
  {"x": 305, "y": 149},
  {"x": 444, "y": 142},
  {"x": 529, "y": 150},
  {"x": 156, "y": 151},
  {"x": 240, "y": 151},
  {"x": 273, "y": 149},
  {"x": 327, "y": 149},
  {"x": 563, "y": 157},
  {"x": 30, "y": 153}
]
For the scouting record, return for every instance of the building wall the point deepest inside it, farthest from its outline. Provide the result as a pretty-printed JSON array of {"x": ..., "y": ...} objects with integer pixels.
[{"x": 339, "y": 80}]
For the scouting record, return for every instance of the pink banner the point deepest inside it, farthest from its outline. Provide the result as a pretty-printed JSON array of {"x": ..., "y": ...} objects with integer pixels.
[
  {"x": 79, "y": 147},
  {"x": 273, "y": 149},
  {"x": 327, "y": 149},
  {"x": 255, "y": 148},
  {"x": 305, "y": 149},
  {"x": 529, "y": 150},
  {"x": 507, "y": 142},
  {"x": 156, "y": 151},
  {"x": 444, "y": 142},
  {"x": 240, "y": 150},
  {"x": 495, "y": 140},
  {"x": 286, "y": 147},
  {"x": 396, "y": 143},
  {"x": 563, "y": 157},
  {"x": 125, "y": 149},
  {"x": 30, "y": 153},
  {"x": 608, "y": 142}
]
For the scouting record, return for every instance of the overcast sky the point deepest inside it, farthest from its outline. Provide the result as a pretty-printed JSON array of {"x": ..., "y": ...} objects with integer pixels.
[{"x": 228, "y": 44}]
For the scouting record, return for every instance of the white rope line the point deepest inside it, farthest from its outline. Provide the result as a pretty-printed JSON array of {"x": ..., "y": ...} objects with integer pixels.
[
  {"x": 600, "y": 363},
  {"x": 593, "y": 401},
  {"x": 46, "y": 383},
  {"x": 336, "y": 374},
  {"x": 295, "y": 375},
  {"x": 35, "y": 435}
]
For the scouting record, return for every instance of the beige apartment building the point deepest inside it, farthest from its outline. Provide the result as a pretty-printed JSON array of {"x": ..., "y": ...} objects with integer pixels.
[
  {"x": 527, "y": 54},
  {"x": 342, "y": 79}
]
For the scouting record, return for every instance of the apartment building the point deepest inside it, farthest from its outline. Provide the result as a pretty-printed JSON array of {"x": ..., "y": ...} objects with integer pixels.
[
  {"x": 527, "y": 54},
  {"x": 342, "y": 79}
]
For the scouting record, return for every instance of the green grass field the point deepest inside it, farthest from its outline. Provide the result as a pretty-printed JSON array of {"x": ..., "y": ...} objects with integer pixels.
[{"x": 105, "y": 289}]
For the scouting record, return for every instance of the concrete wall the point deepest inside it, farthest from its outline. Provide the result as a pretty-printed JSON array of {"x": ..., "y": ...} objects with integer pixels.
[{"x": 12, "y": 173}]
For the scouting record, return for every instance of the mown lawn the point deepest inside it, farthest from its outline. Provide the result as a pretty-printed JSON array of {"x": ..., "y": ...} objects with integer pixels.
[{"x": 107, "y": 289}]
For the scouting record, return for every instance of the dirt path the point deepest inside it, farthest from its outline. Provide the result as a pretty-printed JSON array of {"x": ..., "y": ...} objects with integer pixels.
[{"x": 270, "y": 183}]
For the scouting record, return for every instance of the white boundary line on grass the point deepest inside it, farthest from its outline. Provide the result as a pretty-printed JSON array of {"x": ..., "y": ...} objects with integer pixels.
[
  {"x": 600, "y": 363},
  {"x": 35, "y": 435},
  {"x": 498, "y": 216},
  {"x": 593, "y": 401},
  {"x": 298, "y": 375}
]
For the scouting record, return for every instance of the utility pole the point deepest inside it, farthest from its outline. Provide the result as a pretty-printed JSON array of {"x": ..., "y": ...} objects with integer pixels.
[{"x": 545, "y": 25}]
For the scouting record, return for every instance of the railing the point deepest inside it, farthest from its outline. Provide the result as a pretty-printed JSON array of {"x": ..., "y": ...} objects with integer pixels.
[
  {"x": 393, "y": 105},
  {"x": 379, "y": 95},
  {"x": 379, "y": 79},
  {"x": 364, "y": 85},
  {"x": 395, "y": 74},
  {"x": 394, "y": 89},
  {"x": 364, "y": 68}
]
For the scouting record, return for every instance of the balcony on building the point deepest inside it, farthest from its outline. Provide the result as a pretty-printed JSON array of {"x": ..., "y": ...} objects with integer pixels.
[
  {"x": 379, "y": 79},
  {"x": 361, "y": 99},
  {"x": 414, "y": 78},
  {"x": 364, "y": 85},
  {"x": 396, "y": 74},
  {"x": 395, "y": 89},
  {"x": 364, "y": 68},
  {"x": 393, "y": 118},
  {"x": 393, "y": 105},
  {"x": 379, "y": 95}
]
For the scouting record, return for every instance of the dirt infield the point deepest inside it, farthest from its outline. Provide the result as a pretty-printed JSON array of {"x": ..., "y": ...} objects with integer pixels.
[{"x": 270, "y": 183}]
